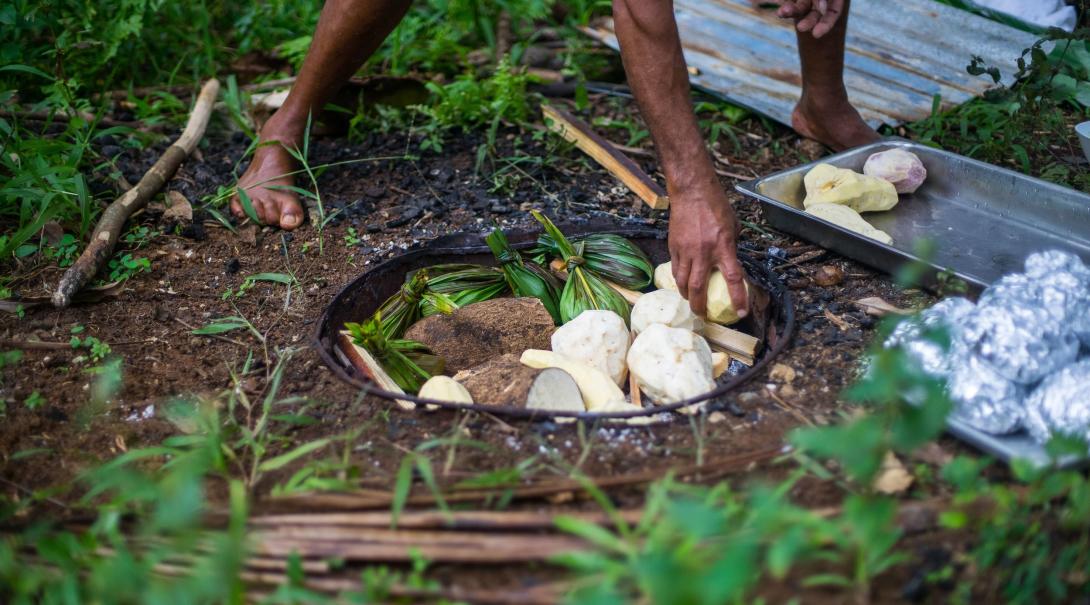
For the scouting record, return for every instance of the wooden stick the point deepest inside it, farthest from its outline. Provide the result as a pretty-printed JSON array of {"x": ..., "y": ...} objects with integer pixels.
[
  {"x": 106, "y": 233},
  {"x": 577, "y": 131},
  {"x": 363, "y": 361},
  {"x": 634, "y": 390}
]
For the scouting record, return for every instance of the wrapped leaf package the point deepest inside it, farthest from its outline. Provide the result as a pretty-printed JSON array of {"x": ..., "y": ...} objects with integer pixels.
[
  {"x": 403, "y": 309},
  {"x": 524, "y": 277},
  {"x": 454, "y": 286},
  {"x": 584, "y": 289},
  {"x": 409, "y": 363},
  {"x": 612, "y": 257}
]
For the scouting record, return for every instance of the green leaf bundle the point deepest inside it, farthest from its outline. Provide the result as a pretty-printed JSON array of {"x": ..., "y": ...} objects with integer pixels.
[
  {"x": 403, "y": 309},
  {"x": 526, "y": 278},
  {"x": 409, "y": 363},
  {"x": 584, "y": 289},
  {"x": 611, "y": 256},
  {"x": 452, "y": 286}
]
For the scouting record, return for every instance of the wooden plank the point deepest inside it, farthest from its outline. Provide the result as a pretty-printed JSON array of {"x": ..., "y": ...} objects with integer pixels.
[
  {"x": 609, "y": 157},
  {"x": 740, "y": 345},
  {"x": 372, "y": 369}
]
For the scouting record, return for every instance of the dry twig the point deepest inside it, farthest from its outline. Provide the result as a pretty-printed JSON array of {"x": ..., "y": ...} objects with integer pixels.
[{"x": 108, "y": 230}]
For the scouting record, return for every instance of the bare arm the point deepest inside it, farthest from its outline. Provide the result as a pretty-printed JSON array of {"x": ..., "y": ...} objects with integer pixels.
[{"x": 702, "y": 223}]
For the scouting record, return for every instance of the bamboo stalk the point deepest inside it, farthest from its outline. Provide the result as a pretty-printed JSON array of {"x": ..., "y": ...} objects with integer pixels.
[
  {"x": 368, "y": 545},
  {"x": 373, "y": 499},
  {"x": 472, "y": 519},
  {"x": 108, "y": 230}
]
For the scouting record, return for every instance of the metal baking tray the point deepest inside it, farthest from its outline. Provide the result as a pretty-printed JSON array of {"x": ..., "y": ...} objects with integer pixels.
[{"x": 982, "y": 220}]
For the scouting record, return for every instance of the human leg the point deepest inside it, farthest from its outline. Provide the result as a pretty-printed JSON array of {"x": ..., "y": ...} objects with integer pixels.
[{"x": 348, "y": 33}]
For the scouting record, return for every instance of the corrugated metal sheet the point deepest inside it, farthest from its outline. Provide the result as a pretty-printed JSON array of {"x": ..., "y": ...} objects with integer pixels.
[{"x": 900, "y": 54}]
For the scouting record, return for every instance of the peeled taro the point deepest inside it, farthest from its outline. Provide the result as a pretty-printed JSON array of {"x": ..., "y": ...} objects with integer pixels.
[{"x": 900, "y": 167}]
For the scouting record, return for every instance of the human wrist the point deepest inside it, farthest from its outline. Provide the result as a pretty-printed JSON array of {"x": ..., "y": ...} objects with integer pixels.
[{"x": 694, "y": 187}]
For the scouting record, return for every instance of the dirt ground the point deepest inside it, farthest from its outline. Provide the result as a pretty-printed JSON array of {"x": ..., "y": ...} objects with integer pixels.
[{"x": 392, "y": 204}]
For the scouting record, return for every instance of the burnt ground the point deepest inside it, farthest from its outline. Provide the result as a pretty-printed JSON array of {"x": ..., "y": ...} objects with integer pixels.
[{"x": 392, "y": 204}]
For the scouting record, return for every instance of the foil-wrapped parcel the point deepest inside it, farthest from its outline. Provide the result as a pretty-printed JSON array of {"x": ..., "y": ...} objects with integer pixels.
[
  {"x": 1011, "y": 362},
  {"x": 1061, "y": 404}
]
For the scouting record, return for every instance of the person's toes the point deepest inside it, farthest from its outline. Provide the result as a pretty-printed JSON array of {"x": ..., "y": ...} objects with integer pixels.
[
  {"x": 291, "y": 213},
  {"x": 236, "y": 208}
]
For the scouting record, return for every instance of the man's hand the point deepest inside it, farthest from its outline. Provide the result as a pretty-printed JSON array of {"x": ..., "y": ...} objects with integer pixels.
[
  {"x": 814, "y": 16},
  {"x": 703, "y": 232}
]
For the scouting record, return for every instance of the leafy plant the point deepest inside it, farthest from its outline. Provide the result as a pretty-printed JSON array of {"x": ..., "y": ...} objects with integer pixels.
[
  {"x": 127, "y": 266},
  {"x": 34, "y": 400}
]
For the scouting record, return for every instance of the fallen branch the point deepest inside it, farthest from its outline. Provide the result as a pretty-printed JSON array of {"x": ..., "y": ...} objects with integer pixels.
[{"x": 106, "y": 233}]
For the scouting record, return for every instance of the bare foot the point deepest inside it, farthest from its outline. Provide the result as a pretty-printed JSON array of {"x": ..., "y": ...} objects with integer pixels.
[
  {"x": 835, "y": 123},
  {"x": 270, "y": 170}
]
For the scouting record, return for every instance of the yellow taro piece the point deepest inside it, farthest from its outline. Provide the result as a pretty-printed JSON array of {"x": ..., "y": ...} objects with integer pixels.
[
  {"x": 827, "y": 184},
  {"x": 445, "y": 388},
  {"x": 849, "y": 219},
  {"x": 720, "y": 308}
]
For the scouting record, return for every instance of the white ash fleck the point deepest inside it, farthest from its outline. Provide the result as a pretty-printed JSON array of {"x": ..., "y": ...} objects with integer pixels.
[{"x": 138, "y": 416}]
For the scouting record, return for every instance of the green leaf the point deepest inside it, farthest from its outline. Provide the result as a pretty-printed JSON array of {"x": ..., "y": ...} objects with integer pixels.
[
  {"x": 224, "y": 324},
  {"x": 280, "y": 461},
  {"x": 1064, "y": 87},
  {"x": 222, "y": 219},
  {"x": 593, "y": 533},
  {"x": 247, "y": 205},
  {"x": 402, "y": 484},
  {"x": 1082, "y": 94},
  {"x": 281, "y": 278},
  {"x": 27, "y": 70}
]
